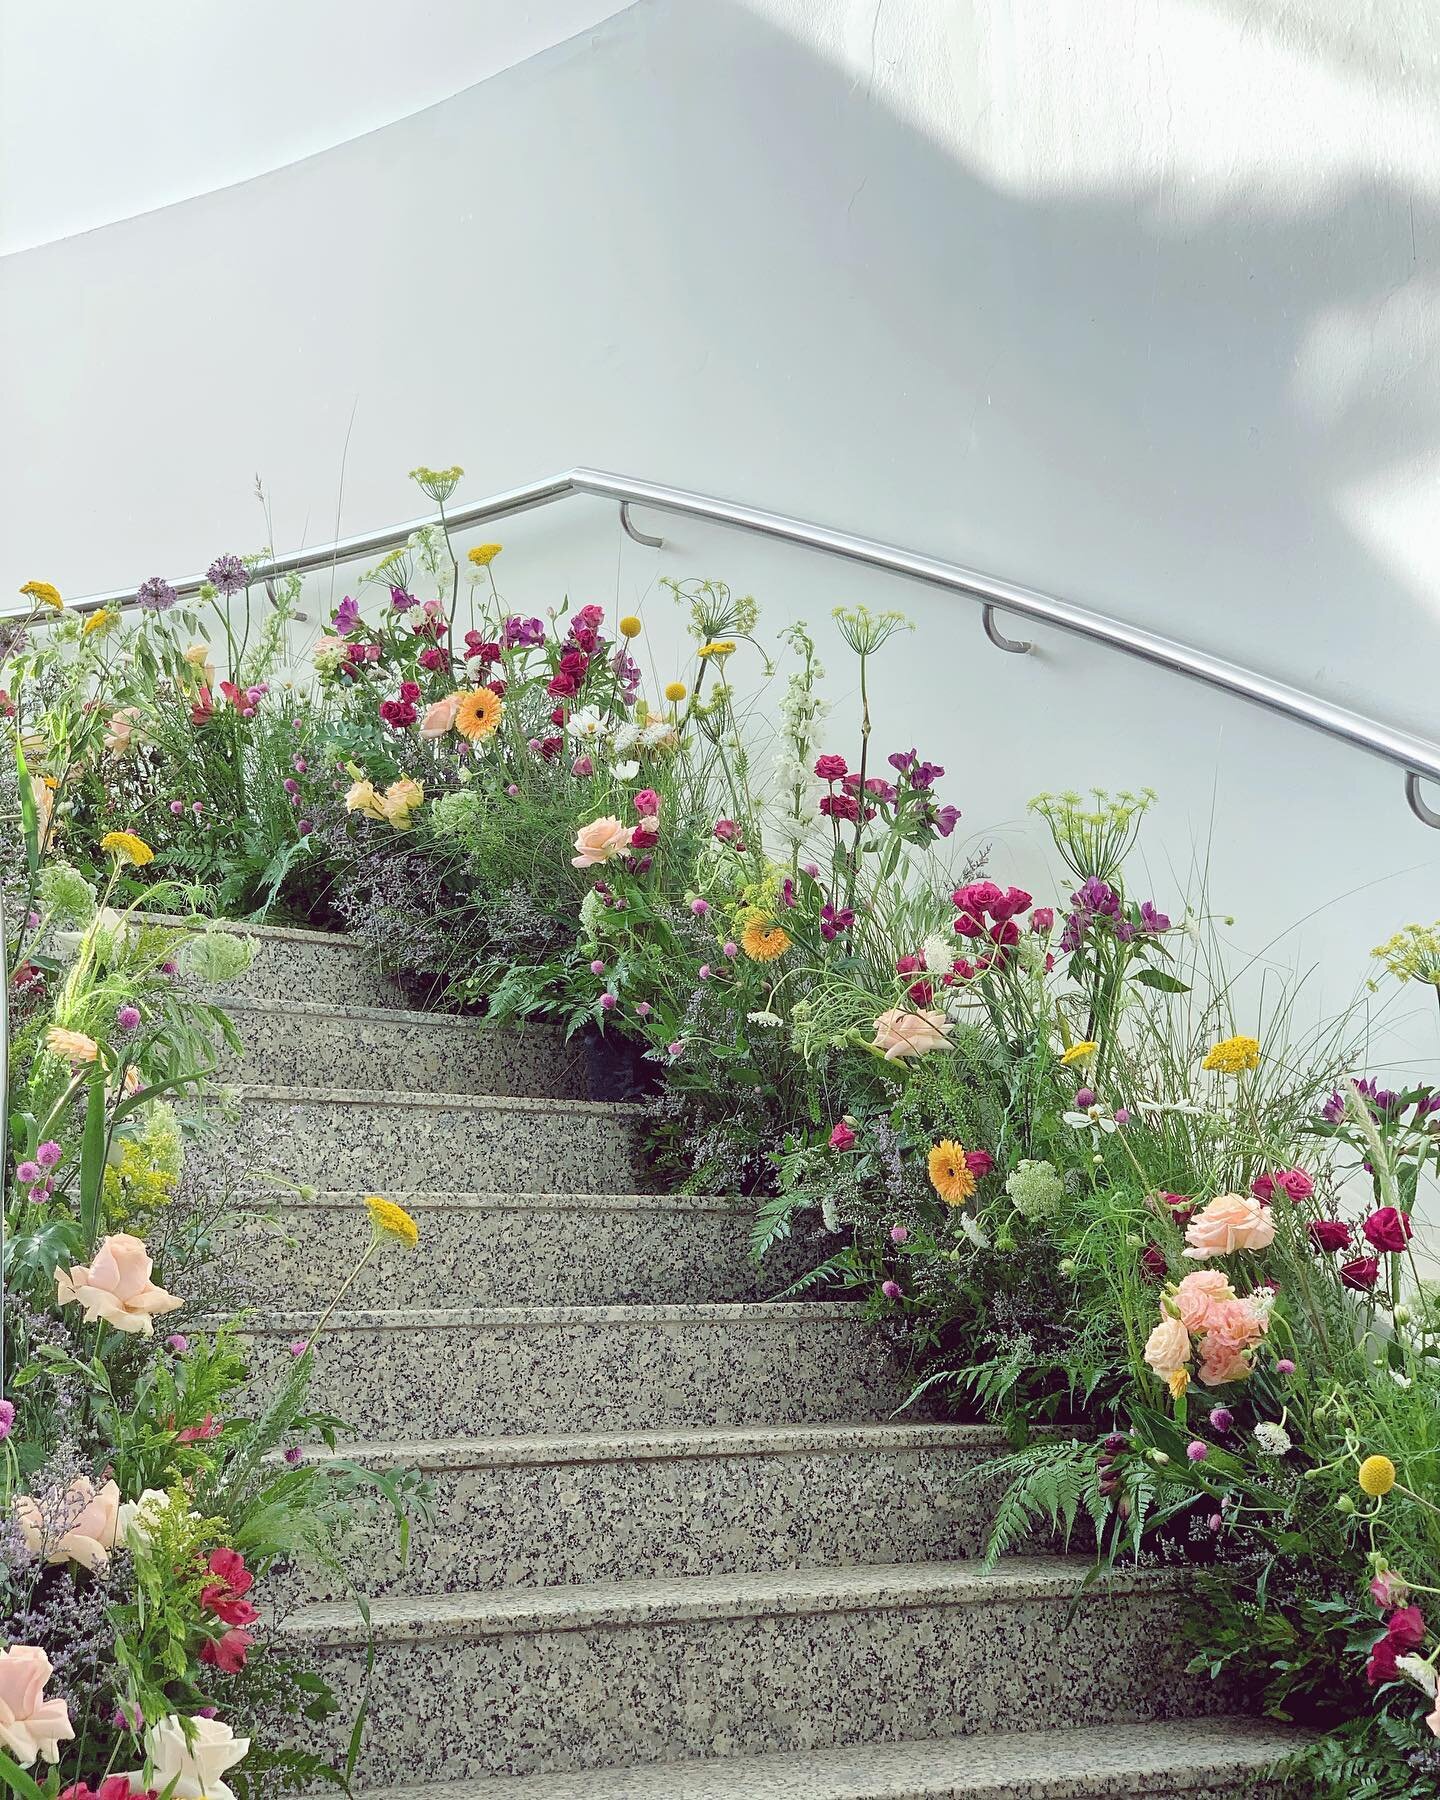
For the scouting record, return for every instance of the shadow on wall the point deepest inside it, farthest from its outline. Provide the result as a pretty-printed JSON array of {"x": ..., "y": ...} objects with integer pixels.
[{"x": 686, "y": 246}]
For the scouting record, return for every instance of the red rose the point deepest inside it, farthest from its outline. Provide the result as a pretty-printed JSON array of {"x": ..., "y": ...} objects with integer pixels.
[
  {"x": 1388, "y": 1228},
  {"x": 979, "y": 1163},
  {"x": 227, "y": 1653},
  {"x": 1360, "y": 1272},
  {"x": 1381, "y": 1666},
  {"x": 1330, "y": 1234}
]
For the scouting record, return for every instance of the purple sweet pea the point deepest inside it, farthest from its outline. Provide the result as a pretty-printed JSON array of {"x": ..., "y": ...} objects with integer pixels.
[
  {"x": 401, "y": 601},
  {"x": 347, "y": 616},
  {"x": 524, "y": 634},
  {"x": 1153, "y": 920}
]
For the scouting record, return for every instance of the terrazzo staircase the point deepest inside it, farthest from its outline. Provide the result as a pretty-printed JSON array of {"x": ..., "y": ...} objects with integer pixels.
[{"x": 684, "y": 1548}]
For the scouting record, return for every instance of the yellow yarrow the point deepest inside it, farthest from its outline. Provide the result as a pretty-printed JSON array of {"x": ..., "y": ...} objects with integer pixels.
[
  {"x": 630, "y": 626},
  {"x": 719, "y": 647},
  {"x": 392, "y": 1221},
  {"x": 1079, "y": 1053},
  {"x": 484, "y": 554},
  {"x": 100, "y": 620},
  {"x": 1377, "y": 1476},
  {"x": 1233, "y": 1055},
  {"x": 675, "y": 692},
  {"x": 127, "y": 847},
  {"x": 45, "y": 592}
]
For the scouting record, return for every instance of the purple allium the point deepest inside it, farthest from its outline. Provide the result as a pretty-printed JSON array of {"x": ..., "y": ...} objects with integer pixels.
[
  {"x": 1084, "y": 1099},
  {"x": 347, "y": 616},
  {"x": 227, "y": 574},
  {"x": 293, "y": 1455},
  {"x": 1196, "y": 1451},
  {"x": 1222, "y": 1419},
  {"x": 7, "y": 1419},
  {"x": 128, "y": 1017},
  {"x": 156, "y": 594},
  {"x": 28, "y": 1174},
  {"x": 49, "y": 1154},
  {"x": 892, "y": 1290},
  {"x": 899, "y": 1233}
]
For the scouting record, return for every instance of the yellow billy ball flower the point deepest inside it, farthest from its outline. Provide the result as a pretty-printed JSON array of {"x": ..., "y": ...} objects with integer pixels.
[
  {"x": 630, "y": 626},
  {"x": 392, "y": 1221},
  {"x": 1233, "y": 1055},
  {"x": 1079, "y": 1053},
  {"x": 1377, "y": 1476},
  {"x": 675, "y": 692},
  {"x": 484, "y": 554}
]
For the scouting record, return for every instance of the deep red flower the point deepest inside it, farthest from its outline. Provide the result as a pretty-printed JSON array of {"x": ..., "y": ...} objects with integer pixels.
[
  {"x": 1381, "y": 1666},
  {"x": 1330, "y": 1234},
  {"x": 398, "y": 714},
  {"x": 1153, "y": 1262},
  {"x": 644, "y": 837},
  {"x": 842, "y": 1137},
  {"x": 1405, "y": 1628},
  {"x": 1360, "y": 1272},
  {"x": 1180, "y": 1207},
  {"x": 909, "y": 964},
  {"x": 1388, "y": 1228},
  {"x": 979, "y": 1163},
  {"x": 840, "y": 806},
  {"x": 433, "y": 659},
  {"x": 921, "y": 992},
  {"x": 410, "y": 690},
  {"x": 227, "y": 1653},
  {"x": 551, "y": 746}
]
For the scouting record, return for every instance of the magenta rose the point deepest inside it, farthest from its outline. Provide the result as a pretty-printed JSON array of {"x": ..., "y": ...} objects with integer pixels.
[
  {"x": 1360, "y": 1272},
  {"x": 1330, "y": 1234},
  {"x": 1388, "y": 1228},
  {"x": 842, "y": 1137}
]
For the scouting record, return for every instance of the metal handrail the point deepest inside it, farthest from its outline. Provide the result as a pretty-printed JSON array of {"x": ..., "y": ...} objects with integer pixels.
[{"x": 1418, "y": 757}]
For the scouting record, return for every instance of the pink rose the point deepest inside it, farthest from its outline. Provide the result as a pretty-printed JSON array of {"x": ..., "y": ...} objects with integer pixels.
[
  {"x": 1197, "y": 1296},
  {"x": 30, "y": 1725},
  {"x": 647, "y": 803},
  {"x": 1295, "y": 1184},
  {"x": 1229, "y": 1222},
  {"x": 86, "y": 1518},
  {"x": 1388, "y": 1229},
  {"x": 842, "y": 1137},
  {"x": 440, "y": 718},
  {"x": 899, "y": 1033},
  {"x": 1167, "y": 1349},
  {"x": 600, "y": 841},
  {"x": 116, "y": 1286}
]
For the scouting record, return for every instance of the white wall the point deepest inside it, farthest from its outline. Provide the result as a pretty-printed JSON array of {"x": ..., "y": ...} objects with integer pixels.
[{"x": 1136, "y": 304}]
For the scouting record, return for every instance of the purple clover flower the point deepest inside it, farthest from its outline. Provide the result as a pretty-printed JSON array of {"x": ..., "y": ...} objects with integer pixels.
[
  {"x": 227, "y": 574},
  {"x": 128, "y": 1017},
  {"x": 156, "y": 594}
]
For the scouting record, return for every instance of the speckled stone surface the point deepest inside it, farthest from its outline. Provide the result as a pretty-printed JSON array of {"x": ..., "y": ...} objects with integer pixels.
[
  {"x": 1202, "y": 1759},
  {"x": 378, "y": 1140},
  {"x": 489, "y": 1249},
  {"x": 490, "y": 1372},
  {"x": 639, "y": 1506},
  {"x": 326, "y": 1045},
  {"x": 727, "y": 1665},
  {"x": 290, "y": 964}
]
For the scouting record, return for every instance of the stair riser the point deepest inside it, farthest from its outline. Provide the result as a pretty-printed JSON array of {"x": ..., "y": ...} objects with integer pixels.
[
  {"x": 554, "y": 1526},
  {"x": 372, "y": 1148},
  {"x": 514, "y": 1380},
  {"x": 309, "y": 1050},
  {"x": 339, "y": 974},
  {"x": 518, "y": 1703},
  {"x": 482, "y": 1256}
]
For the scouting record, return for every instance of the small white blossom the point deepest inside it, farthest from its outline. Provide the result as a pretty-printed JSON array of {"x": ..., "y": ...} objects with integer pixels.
[
  {"x": 627, "y": 771},
  {"x": 975, "y": 1231},
  {"x": 1094, "y": 1119},
  {"x": 764, "y": 1018},
  {"x": 939, "y": 954},
  {"x": 1271, "y": 1439},
  {"x": 625, "y": 737},
  {"x": 587, "y": 724}
]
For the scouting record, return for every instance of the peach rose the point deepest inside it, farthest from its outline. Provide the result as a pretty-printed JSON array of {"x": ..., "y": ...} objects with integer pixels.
[
  {"x": 440, "y": 718},
  {"x": 30, "y": 1725},
  {"x": 1229, "y": 1222},
  {"x": 1197, "y": 1295},
  {"x": 600, "y": 841},
  {"x": 1168, "y": 1347},
  {"x": 400, "y": 803},
  {"x": 900, "y": 1033},
  {"x": 116, "y": 1286},
  {"x": 90, "y": 1518},
  {"x": 1222, "y": 1362}
]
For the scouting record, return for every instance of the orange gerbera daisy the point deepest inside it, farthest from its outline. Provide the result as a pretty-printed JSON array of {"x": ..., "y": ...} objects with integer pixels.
[
  {"x": 950, "y": 1174},
  {"x": 763, "y": 940},
  {"x": 478, "y": 714}
]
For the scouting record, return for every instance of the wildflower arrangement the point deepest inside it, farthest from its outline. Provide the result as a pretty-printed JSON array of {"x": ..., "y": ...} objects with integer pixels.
[{"x": 1100, "y": 1184}]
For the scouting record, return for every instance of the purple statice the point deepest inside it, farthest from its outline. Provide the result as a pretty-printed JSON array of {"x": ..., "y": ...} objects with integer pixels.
[
  {"x": 401, "y": 601},
  {"x": 347, "y": 616},
  {"x": 227, "y": 574},
  {"x": 156, "y": 594},
  {"x": 523, "y": 634}
]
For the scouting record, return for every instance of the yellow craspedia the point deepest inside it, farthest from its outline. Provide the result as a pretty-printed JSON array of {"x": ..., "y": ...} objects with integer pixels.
[
  {"x": 1179, "y": 1382},
  {"x": 1233, "y": 1055},
  {"x": 45, "y": 592},
  {"x": 129, "y": 848},
  {"x": 100, "y": 620},
  {"x": 484, "y": 554},
  {"x": 630, "y": 626},
  {"x": 675, "y": 692},
  {"x": 1079, "y": 1053},
  {"x": 392, "y": 1221},
  {"x": 1377, "y": 1476},
  {"x": 763, "y": 940}
]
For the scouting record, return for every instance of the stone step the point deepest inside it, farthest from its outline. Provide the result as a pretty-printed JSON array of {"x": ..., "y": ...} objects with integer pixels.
[
  {"x": 512, "y": 1370},
  {"x": 563, "y": 1679},
  {"x": 495, "y": 1249},
  {"x": 1200, "y": 1759},
  {"x": 290, "y": 964},
  {"x": 646, "y": 1505},
  {"x": 375, "y": 1140},
  {"x": 324, "y": 1044}
]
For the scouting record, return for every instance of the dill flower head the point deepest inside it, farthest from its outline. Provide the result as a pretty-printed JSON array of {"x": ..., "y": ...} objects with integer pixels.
[
  {"x": 1376, "y": 1476},
  {"x": 763, "y": 940},
  {"x": 392, "y": 1221},
  {"x": 1079, "y": 1053},
  {"x": 478, "y": 714},
  {"x": 950, "y": 1174},
  {"x": 100, "y": 620},
  {"x": 482, "y": 555},
  {"x": 1233, "y": 1055},
  {"x": 865, "y": 631},
  {"x": 717, "y": 647},
  {"x": 439, "y": 484},
  {"x": 127, "y": 847},
  {"x": 1413, "y": 954},
  {"x": 675, "y": 691},
  {"x": 1271, "y": 1439},
  {"x": 45, "y": 593}
]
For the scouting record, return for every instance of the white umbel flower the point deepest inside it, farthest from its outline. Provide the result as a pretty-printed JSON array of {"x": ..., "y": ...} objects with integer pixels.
[
  {"x": 939, "y": 954},
  {"x": 1271, "y": 1439}
]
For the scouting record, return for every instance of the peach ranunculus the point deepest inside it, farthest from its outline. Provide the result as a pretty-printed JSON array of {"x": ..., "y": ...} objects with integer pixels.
[
  {"x": 1222, "y": 1362},
  {"x": 71, "y": 1046},
  {"x": 116, "y": 1286},
  {"x": 440, "y": 718},
  {"x": 1197, "y": 1295},
  {"x": 1168, "y": 1347},
  {"x": 900, "y": 1033},
  {"x": 190, "y": 1770},
  {"x": 400, "y": 802},
  {"x": 599, "y": 841},
  {"x": 1232, "y": 1330},
  {"x": 86, "y": 1518},
  {"x": 30, "y": 1725},
  {"x": 1229, "y": 1222}
]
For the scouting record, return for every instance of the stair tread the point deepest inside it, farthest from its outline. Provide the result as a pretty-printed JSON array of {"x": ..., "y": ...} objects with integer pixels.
[
  {"x": 407, "y": 1618},
  {"x": 339, "y": 1009},
  {"x": 709, "y": 1312},
  {"x": 284, "y": 934},
  {"x": 511, "y": 1200},
  {"x": 429, "y": 1101},
  {"x": 644, "y": 1446},
  {"x": 1119, "y": 1760}
]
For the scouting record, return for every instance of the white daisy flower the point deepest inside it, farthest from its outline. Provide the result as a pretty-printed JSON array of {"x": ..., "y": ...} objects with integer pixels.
[
  {"x": 627, "y": 771},
  {"x": 586, "y": 724}
]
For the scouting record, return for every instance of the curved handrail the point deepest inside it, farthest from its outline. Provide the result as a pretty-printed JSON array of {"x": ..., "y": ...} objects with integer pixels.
[{"x": 1416, "y": 756}]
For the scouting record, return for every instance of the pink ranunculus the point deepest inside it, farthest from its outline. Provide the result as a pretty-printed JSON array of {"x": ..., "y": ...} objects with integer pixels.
[
  {"x": 116, "y": 1286},
  {"x": 842, "y": 1137},
  {"x": 440, "y": 717},
  {"x": 1227, "y": 1223},
  {"x": 30, "y": 1725},
  {"x": 1167, "y": 1349},
  {"x": 600, "y": 842},
  {"x": 1198, "y": 1294},
  {"x": 1042, "y": 920},
  {"x": 1388, "y": 1229},
  {"x": 899, "y": 1033},
  {"x": 1223, "y": 1362},
  {"x": 87, "y": 1519},
  {"x": 647, "y": 803}
]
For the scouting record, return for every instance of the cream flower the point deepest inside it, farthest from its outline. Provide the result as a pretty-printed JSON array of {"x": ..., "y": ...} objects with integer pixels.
[
  {"x": 599, "y": 841},
  {"x": 116, "y": 1286},
  {"x": 90, "y": 1519},
  {"x": 30, "y": 1725},
  {"x": 71, "y": 1046},
  {"x": 439, "y": 719},
  {"x": 400, "y": 803},
  {"x": 122, "y": 730},
  {"x": 138, "y": 1518},
  {"x": 198, "y": 657},
  {"x": 190, "y": 1771},
  {"x": 1167, "y": 1349},
  {"x": 1229, "y": 1222},
  {"x": 900, "y": 1033},
  {"x": 363, "y": 799}
]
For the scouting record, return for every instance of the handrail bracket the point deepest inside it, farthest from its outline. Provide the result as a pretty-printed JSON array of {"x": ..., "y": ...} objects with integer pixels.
[
  {"x": 1421, "y": 808},
  {"x": 640, "y": 537},
  {"x": 998, "y": 638}
]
